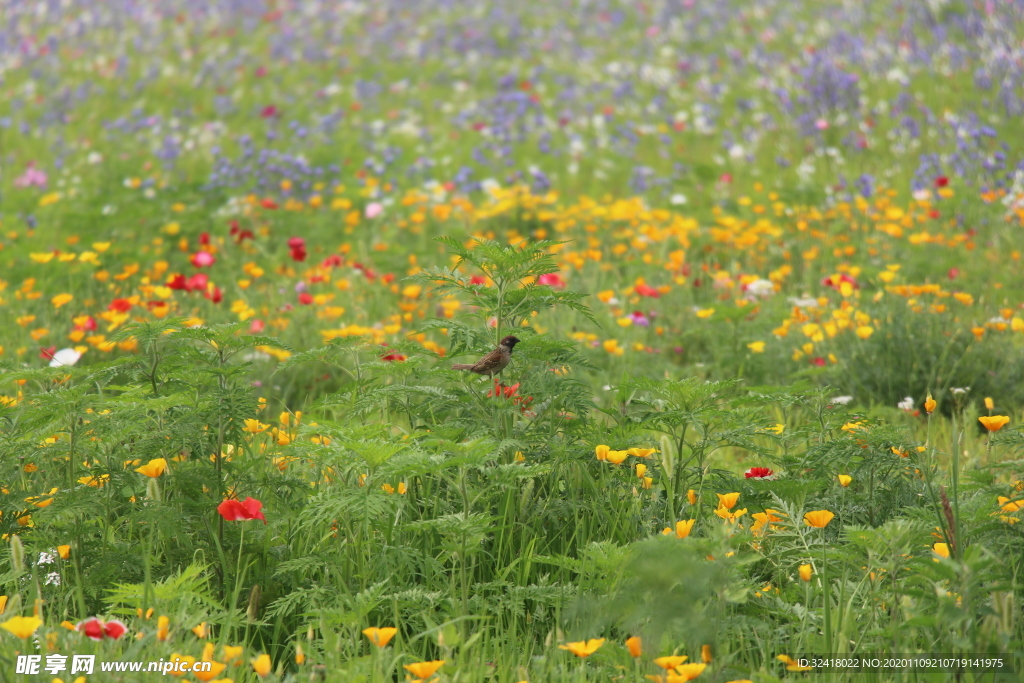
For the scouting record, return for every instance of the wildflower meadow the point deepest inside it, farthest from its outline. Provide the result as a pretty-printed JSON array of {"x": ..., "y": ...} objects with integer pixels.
[{"x": 764, "y": 419}]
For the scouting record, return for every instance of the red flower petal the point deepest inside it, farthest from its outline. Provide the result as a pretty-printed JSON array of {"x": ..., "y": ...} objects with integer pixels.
[
  {"x": 91, "y": 627},
  {"x": 115, "y": 629},
  {"x": 231, "y": 510}
]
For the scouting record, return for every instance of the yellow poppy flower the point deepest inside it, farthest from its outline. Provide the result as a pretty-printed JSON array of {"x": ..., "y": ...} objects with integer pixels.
[
  {"x": 154, "y": 468},
  {"x": 380, "y": 636},
  {"x": 22, "y": 627},
  {"x": 583, "y": 648},
  {"x": 819, "y": 519},
  {"x": 261, "y": 665},
  {"x": 424, "y": 670},
  {"x": 728, "y": 500},
  {"x": 995, "y": 422}
]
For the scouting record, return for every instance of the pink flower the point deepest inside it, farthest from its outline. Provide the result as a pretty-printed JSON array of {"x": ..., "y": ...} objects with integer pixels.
[
  {"x": 203, "y": 259},
  {"x": 256, "y": 326},
  {"x": 374, "y": 209},
  {"x": 552, "y": 280},
  {"x": 31, "y": 176},
  {"x": 197, "y": 282}
]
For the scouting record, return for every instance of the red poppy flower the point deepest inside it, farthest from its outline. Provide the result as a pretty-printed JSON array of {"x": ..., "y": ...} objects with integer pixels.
[
  {"x": 836, "y": 284},
  {"x": 297, "y": 245},
  {"x": 268, "y": 203},
  {"x": 647, "y": 290},
  {"x": 478, "y": 280},
  {"x": 120, "y": 305},
  {"x": 819, "y": 361},
  {"x": 241, "y": 510},
  {"x": 97, "y": 630},
  {"x": 391, "y": 357},
  {"x": 46, "y": 352},
  {"x": 115, "y": 628},
  {"x": 92, "y": 628},
  {"x": 214, "y": 294},
  {"x": 941, "y": 181},
  {"x": 177, "y": 281},
  {"x": 758, "y": 473},
  {"x": 239, "y": 234},
  {"x": 305, "y": 298}
]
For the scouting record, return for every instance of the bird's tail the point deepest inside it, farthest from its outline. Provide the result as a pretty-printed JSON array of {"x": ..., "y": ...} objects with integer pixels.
[{"x": 462, "y": 366}]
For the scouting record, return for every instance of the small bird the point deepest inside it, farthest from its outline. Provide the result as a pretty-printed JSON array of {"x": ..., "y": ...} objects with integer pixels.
[{"x": 494, "y": 362}]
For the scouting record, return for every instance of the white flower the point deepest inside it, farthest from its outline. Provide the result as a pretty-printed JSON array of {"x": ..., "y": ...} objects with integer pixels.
[
  {"x": 761, "y": 289},
  {"x": 803, "y": 302},
  {"x": 65, "y": 357},
  {"x": 53, "y": 578},
  {"x": 960, "y": 390},
  {"x": 906, "y": 404},
  {"x": 841, "y": 400},
  {"x": 45, "y": 558},
  {"x": 678, "y": 199}
]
